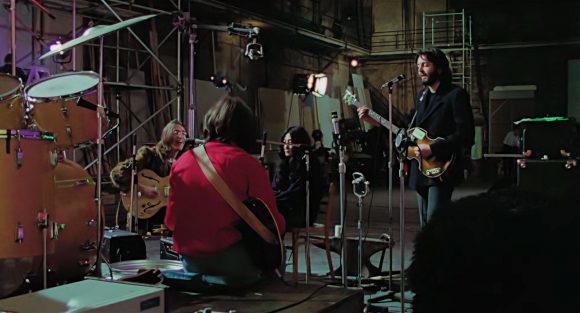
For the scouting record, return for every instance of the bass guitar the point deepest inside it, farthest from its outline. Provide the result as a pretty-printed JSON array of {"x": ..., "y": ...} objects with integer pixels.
[
  {"x": 429, "y": 167},
  {"x": 147, "y": 207}
]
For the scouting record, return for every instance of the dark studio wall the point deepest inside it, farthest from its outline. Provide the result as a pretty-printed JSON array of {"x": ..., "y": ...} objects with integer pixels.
[{"x": 526, "y": 43}]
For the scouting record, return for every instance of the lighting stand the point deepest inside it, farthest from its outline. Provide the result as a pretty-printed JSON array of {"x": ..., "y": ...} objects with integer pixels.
[{"x": 360, "y": 188}]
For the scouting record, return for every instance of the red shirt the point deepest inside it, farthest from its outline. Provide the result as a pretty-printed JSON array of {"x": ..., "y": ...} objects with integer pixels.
[{"x": 202, "y": 222}]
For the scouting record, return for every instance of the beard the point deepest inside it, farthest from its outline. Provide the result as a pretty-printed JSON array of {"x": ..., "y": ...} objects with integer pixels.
[{"x": 431, "y": 78}]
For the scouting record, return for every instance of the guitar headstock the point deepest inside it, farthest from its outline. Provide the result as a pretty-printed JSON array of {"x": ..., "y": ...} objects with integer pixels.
[{"x": 350, "y": 98}]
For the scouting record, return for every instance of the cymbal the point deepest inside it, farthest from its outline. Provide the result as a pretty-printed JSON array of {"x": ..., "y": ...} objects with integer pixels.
[{"x": 95, "y": 32}]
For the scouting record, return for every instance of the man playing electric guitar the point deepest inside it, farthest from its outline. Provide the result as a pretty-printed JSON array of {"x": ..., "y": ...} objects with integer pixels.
[
  {"x": 442, "y": 110},
  {"x": 159, "y": 160}
]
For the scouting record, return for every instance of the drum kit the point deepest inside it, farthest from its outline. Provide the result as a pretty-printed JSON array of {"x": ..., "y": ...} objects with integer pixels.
[{"x": 47, "y": 203}]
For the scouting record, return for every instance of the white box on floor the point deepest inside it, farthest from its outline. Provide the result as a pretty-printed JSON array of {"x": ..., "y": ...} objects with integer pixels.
[{"x": 91, "y": 295}]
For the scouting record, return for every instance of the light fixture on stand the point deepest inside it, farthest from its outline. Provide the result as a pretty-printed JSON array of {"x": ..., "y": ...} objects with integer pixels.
[
  {"x": 254, "y": 50},
  {"x": 315, "y": 84},
  {"x": 62, "y": 56},
  {"x": 219, "y": 81}
]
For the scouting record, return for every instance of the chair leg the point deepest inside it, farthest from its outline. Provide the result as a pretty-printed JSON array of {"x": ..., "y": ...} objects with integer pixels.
[
  {"x": 328, "y": 257},
  {"x": 307, "y": 257},
  {"x": 295, "y": 256}
]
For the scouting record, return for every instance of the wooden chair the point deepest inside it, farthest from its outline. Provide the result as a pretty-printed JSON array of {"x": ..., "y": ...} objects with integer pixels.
[{"x": 321, "y": 233}]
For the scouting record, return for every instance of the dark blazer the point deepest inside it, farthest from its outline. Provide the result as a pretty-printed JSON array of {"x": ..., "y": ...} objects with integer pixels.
[{"x": 448, "y": 116}]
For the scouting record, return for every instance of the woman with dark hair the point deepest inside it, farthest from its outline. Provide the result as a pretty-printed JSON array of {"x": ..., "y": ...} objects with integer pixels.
[
  {"x": 289, "y": 181},
  {"x": 159, "y": 159},
  {"x": 204, "y": 225}
]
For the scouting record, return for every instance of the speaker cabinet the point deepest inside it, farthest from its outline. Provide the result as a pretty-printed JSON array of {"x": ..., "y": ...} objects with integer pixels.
[{"x": 119, "y": 245}]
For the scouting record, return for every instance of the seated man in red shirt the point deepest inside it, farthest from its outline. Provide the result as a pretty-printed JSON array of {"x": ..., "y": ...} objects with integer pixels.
[{"x": 204, "y": 225}]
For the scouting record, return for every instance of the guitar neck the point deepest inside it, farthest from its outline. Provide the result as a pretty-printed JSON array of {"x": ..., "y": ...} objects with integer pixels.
[
  {"x": 350, "y": 98},
  {"x": 383, "y": 121}
]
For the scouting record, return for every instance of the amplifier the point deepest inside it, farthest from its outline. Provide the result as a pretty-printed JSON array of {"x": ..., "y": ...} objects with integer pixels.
[
  {"x": 166, "y": 249},
  {"x": 91, "y": 295},
  {"x": 119, "y": 245},
  {"x": 549, "y": 177},
  {"x": 545, "y": 139}
]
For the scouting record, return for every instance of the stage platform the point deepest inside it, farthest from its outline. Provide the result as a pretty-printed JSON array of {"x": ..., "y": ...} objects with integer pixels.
[{"x": 271, "y": 297}]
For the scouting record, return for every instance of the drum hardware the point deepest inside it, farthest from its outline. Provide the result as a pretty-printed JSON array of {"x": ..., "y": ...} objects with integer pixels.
[
  {"x": 19, "y": 233},
  {"x": 42, "y": 219},
  {"x": 88, "y": 245}
]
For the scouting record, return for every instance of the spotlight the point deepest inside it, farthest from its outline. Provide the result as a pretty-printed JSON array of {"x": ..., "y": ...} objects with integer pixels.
[
  {"x": 317, "y": 84},
  {"x": 219, "y": 82},
  {"x": 299, "y": 84},
  {"x": 310, "y": 83},
  {"x": 354, "y": 62},
  {"x": 254, "y": 50}
]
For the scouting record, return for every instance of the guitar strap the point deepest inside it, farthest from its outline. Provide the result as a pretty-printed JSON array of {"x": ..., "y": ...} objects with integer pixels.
[{"x": 224, "y": 190}]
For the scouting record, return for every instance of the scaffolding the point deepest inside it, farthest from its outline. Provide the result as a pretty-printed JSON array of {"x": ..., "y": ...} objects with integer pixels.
[{"x": 451, "y": 32}]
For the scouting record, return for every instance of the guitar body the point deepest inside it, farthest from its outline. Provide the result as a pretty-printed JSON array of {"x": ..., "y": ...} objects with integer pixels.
[
  {"x": 267, "y": 257},
  {"x": 429, "y": 167},
  {"x": 147, "y": 207}
]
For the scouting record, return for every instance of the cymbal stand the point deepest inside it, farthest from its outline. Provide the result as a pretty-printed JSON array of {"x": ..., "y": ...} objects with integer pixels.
[
  {"x": 360, "y": 188},
  {"x": 100, "y": 113}
]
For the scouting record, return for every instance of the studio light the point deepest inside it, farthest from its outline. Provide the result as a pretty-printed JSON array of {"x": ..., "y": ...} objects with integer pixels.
[
  {"x": 354, "y": 62},
  {"x": 254, "y": 50},
  {"x": 62, "y": 57},
  {"x": 219, "y": 81},
  {"x": 317, "y": 84},
  {"x": 299, "y": 84}
]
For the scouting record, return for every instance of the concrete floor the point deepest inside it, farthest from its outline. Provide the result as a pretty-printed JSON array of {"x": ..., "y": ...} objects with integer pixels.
[{"x": 377, "y": 221}]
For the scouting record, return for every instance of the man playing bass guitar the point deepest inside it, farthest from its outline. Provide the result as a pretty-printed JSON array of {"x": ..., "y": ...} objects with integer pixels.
[{"x": 444, "y": 111}]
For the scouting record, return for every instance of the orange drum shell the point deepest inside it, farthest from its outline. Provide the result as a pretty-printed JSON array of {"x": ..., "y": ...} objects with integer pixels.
[
  {"x": 24, "y": 192},
  {"x": 11, "y": 108},
  {"x": 75, "y": 215},
  {"x": 82, "y": 122}
]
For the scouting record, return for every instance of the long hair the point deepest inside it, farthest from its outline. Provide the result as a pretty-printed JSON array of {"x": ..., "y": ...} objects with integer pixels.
[
  {"x": 231, "y": 121},
  {"x": 163, "y": 146},
  {"x": 439, "y": 59},
  {"x": 300, "y": 136}
]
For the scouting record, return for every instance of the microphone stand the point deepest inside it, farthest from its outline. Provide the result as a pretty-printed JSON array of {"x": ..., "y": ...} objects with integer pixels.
[
  {"x": 133, "y": 191},
  {"x": 360, "y": 194},
  {"x": 401, "y": 149},
  {"x": 340, "y": 150}
]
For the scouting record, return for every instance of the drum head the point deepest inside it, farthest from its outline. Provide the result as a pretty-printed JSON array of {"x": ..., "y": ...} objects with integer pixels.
[
  {"x": 63, "y": 85},
  {"x": 9, "y": 85}
]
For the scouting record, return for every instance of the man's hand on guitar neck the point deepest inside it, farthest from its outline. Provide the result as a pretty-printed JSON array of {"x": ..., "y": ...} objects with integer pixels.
[{"x": 363, "y": 114}]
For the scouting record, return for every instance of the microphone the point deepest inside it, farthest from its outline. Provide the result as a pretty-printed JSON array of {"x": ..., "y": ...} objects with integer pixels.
[
  {"x": 335, "y": 123},
  {"x": 193, "y": 141},
  {"x": 394, "y": 81},
  {"x": 358, "y": 180}
]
